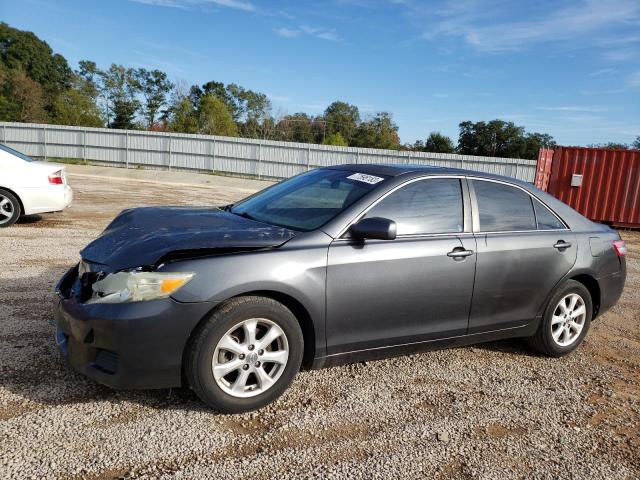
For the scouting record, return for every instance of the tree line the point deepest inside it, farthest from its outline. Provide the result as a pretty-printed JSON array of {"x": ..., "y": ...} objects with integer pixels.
[{"x": 37, "y": 85}]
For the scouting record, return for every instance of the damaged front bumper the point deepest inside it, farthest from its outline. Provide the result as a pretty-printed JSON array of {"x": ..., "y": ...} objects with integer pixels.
[{"x": 130, "y": 345}]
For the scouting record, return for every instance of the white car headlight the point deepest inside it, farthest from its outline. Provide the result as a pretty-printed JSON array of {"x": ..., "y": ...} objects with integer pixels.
[{"x": 124, "y": 287}]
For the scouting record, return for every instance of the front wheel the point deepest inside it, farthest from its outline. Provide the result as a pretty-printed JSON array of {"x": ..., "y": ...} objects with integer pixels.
[
  {"x": 245, "y": 355},
  {"x": 565, "y": 322},
  {"x": 9, "y": 208}
]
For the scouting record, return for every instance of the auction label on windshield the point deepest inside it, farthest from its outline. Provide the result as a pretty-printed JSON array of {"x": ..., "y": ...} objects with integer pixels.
[{"x": 363, "y": 177}]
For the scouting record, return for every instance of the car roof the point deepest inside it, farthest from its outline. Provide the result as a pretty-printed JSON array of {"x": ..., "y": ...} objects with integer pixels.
[{"x": 392, "y": 170}]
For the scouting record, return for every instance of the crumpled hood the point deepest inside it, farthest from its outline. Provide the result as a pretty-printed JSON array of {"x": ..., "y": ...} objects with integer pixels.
[{"x": 142, "y": 236}]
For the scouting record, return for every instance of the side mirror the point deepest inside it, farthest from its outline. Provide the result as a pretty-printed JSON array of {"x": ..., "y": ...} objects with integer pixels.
[{"x": 375, "y": 228}]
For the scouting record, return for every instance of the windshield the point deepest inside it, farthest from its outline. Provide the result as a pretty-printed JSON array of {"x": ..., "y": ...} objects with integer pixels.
[
  {"x": 16, "y": 153},
  {"x": 308, "y": 201}
]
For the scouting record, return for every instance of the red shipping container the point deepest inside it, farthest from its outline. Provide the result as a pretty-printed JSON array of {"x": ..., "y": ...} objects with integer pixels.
[{"x": 601, "y": 184}]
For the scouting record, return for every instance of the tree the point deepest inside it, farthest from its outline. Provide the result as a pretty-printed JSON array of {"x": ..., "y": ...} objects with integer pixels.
[
  {"x": 73, "y": 107},
  {"x": 439, "y": 143},
  {"x": 610, "y": 146},
  {"x": 154, "y": 87},
  {"x": 342, "y": 118},
  {"x": 335, "y": 139},
  {"x": 183, "y": 117},
  {"x": 22, "y": 98},
  {"x": 120, "y": 87},
  {"x": 379, "y": 132},
  {"x": 298, "y": 127},
  {"x": 214, "y": 117},
  {"x": 498, "y": 138},
  {"x": 24, "y": 56},
  {"x": 636, "y": 143}
]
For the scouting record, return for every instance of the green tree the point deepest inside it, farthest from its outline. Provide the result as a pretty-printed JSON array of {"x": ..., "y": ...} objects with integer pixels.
[
  {"x": 298, "y": 127},
  {"x": 183, "y": 117},
  {"x": 610, "y": 146},
  {"x": 335, "y": 139},
  {"x": 498, "y": 138},
  {"x": 21, "y": 98},
  {"x": 120, "y": 87},
  {"x": 379, "y": 132},
  {"x": 154, "y": 87},
  {"x": 74, "y": 107},
  {"x": 439, "y": 143},
  {"x": 636, "y": 143},
  {"x": 214, "y": 117},
  {"x": 24, "y": 56},
  {"x": 342, "y": 118}
]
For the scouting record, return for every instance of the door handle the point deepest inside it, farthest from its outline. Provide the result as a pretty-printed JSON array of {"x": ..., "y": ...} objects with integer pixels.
[
  {"x": 459, "y": 252},
  {"x": 562, "y": 245}
]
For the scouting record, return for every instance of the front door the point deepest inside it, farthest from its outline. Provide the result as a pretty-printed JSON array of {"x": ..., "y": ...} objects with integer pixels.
[{"x": 412, "y": 289}]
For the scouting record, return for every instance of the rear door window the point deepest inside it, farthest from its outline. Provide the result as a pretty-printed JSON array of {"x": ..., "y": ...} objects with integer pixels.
[
  {"x": 503, "y": 208},
  {"x": 426, "y": 206},
  {"x": 545, "y": 218}
]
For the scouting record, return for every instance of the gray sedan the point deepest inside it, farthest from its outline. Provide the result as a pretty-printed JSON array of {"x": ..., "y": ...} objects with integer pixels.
[{"x": 335, "y": 265}]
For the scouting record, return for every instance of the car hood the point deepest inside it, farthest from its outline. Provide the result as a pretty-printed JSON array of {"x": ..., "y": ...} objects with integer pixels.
[{"x": 144, "y": 236}]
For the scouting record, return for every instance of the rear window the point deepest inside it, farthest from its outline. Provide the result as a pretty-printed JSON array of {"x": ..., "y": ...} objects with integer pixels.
[
  {"x": 546, "y": 219},
  {"x": 10, "y": 150},
  {"x": 503, "y": 208}
]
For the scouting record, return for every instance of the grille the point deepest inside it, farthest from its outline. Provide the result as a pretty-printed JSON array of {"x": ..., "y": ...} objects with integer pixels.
[{"x": 106, "y": 361}]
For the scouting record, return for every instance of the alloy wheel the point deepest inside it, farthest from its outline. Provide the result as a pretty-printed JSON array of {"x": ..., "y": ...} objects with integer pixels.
[
  {"x": 250, "y": 357},
  {"x": 6, "y": 209},
  {"x": 568, "y": 319}
]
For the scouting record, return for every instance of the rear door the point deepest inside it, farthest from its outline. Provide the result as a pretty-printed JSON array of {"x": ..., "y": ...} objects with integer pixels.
[
  {"x": 408, "y": 290},
  {"x": 523, "y": 250}
]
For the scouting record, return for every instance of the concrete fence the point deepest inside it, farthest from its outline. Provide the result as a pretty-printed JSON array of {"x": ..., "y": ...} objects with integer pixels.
[{"x": 236, "y": 156}]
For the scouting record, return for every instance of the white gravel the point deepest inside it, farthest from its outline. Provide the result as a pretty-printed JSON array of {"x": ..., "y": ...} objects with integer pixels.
[{"x": 490, "y": 411}]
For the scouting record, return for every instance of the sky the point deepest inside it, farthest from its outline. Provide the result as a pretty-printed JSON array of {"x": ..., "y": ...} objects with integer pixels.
[{"x": 570, "y": 68}]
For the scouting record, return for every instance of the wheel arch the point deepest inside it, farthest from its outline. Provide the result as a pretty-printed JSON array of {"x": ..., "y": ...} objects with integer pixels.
[
  {"x": 591, "y": 284},
  {"x": 12, "y": 192},
  {"x": 297, "y": 308}
]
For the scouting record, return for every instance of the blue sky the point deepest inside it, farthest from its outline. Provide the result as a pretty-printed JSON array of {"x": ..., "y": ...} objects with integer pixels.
[{"x": 569, "y": 68}]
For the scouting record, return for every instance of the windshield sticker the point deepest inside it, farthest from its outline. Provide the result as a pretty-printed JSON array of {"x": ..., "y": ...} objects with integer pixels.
[{"x": 363, "y": 177}]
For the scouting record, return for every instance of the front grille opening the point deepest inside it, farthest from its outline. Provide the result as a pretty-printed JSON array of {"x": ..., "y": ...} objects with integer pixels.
[
  {"x": 106, "y": 361},
  {"x": 89, "y": 337}
]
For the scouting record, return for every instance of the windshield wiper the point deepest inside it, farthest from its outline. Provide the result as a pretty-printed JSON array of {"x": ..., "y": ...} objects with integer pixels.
[{"x": 244, "y": 215}]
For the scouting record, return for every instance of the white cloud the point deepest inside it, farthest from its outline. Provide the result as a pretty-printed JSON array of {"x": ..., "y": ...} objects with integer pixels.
[
  {"x": 572, "y": 108},
  {"x": 602, "y": 71},
  {"x": 287, "y": 32},
  {"x": 236, "y": 4},
  {"x": 474, "y": 21},
  {"x": 321, "y": 33},
  {"x": 634, "y": 80}
]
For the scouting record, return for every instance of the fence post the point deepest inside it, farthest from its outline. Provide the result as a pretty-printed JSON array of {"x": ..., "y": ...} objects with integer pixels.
[
  {"x": 170, "y": 151},
  {"x": 357, "y": 156},
  {"x": 44, "y": 130},
  {"x": 126, "y": 149},
  {"x": 213, "y": 156},
  {"x": 4, "y": 134},
  {"x": 84, "y": 145},
  {"x": 259, "y": 161},
  {"x": 308, "y": 157}
]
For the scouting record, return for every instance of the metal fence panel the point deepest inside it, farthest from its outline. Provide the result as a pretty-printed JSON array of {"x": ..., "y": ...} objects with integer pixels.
[{"x": 240, "y": 156}]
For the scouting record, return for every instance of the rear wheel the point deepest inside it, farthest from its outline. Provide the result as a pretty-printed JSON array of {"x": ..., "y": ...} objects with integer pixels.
[
  {"x": 9, "y": 208},
  {"x": 566, "y": 320},
  {"x": 245, "y": 355}
]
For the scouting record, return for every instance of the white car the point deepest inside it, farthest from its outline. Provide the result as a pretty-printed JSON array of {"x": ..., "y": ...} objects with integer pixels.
[{"x": 28, "y": 187}]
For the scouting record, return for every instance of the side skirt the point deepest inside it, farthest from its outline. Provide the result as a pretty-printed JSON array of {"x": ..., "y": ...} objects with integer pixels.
[{"x": 417, "y": 347}]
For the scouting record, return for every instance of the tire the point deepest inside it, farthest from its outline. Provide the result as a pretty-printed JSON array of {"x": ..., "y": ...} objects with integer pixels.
[
  {"x": 557, "y": 334},
  {"x": 10, "y": 209},
  {"x": 245, "y": 386}
]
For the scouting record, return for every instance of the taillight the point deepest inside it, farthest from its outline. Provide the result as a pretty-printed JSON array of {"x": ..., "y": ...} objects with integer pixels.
[
  {"x": 56, "y": 178},
  {"x": 620, "y": 247}
]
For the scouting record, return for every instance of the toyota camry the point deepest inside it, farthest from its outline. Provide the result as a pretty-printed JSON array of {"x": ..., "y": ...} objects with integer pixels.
[{"x": 335, "y": 265}]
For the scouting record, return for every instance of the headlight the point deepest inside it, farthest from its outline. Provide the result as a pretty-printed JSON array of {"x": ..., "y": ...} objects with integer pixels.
[{"x": 124, "y": 287}]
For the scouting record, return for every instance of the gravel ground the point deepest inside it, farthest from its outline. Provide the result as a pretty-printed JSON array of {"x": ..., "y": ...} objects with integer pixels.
[{"x": 491, "y": 411}]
